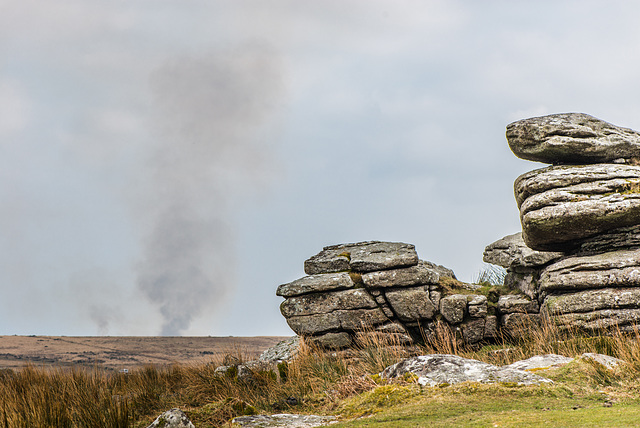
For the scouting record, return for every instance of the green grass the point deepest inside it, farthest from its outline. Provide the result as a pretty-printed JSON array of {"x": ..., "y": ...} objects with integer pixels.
[{"x": 497, "y": 407}]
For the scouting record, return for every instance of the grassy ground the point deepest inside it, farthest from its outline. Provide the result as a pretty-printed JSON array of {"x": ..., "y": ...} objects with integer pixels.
[{"x": 343, "y": 384}]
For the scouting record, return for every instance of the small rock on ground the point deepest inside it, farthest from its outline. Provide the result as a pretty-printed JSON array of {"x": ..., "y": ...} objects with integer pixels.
[
  {"x": 606, "y": 360},
  {"x": 174, "y": 418}
]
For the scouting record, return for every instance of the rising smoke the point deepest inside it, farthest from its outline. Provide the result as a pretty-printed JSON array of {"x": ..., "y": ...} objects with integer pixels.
[{"x": 210, "y": 113}]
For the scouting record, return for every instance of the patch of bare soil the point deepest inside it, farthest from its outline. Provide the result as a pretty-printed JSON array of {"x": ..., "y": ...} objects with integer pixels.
[{"x": 118, "y": 353}]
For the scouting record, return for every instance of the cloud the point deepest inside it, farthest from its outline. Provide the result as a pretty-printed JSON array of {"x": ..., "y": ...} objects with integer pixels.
[{"x": 15, "y": 108}]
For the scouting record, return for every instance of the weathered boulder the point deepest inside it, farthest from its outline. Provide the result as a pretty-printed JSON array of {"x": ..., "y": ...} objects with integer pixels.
[
  {"x": 612, "y": 269},
  {"x": 477, "y": 306},
  {"x": 411, "y": 304},
  {"x": 561, "y": 205},
  {"x": 362, "y": 257},
  {"x": 174, "y": 418},
  {"x": 550, "y": 361},
  {"x": 282, "y": 351},
  {"x": 541, "y": 362},
  {"x": 283, "y": 420},
  {"x": 511, "y": 251},
  {"x": 439, "y": 369},
  {"x": 453, "y": 308},
  {"x": 607, "y": 361},
  {"x": 511, "y": 303},
  {"x": 572, "y": 138}
]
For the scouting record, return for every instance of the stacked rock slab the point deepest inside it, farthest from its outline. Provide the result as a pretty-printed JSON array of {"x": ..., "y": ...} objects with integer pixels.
[
  {"x": 383, "y": 287},
  {"x": 580, "y": 218}
]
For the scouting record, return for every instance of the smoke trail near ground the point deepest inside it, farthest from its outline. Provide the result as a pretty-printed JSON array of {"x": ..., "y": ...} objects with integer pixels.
[{"x": 209, "y": 114}]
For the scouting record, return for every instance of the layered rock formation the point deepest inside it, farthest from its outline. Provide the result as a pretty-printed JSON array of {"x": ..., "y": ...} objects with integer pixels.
[
  {"x": 384, "y": 287},
  {"x": 579, "y": 251}
]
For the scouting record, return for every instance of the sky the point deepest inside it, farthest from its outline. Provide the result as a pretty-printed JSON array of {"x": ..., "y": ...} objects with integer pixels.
[{"x": 165, "y": 165}]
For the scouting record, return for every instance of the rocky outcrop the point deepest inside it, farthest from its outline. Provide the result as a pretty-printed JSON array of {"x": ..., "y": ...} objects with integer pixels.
[
  {"x": 579, "y": 252},
  {"x": 444, "y": 369},
  {"x": 385, "y": 288}
]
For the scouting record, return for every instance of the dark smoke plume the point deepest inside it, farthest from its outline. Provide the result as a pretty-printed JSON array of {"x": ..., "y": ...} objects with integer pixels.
[{"x": 210, "y": 113}]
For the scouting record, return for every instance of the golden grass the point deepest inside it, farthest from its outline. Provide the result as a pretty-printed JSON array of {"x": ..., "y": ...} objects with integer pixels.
[{"x": 315, "y": 381}]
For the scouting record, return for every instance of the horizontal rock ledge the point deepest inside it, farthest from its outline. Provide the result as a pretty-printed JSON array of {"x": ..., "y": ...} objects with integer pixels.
[
  {"x": 613, "y": 269},
  {"x": 593, "y": 300},
  {"x": 322, "y": 303},
  {"x": 625, "y": 320},
  {"x": 316, "y": 284}
]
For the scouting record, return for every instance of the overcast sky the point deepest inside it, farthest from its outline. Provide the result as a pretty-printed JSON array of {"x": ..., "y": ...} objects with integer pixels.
[{"x": 165, "y": 165}]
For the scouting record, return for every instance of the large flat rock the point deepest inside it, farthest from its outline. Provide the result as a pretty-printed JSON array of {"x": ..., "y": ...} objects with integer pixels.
[
  {"x": 362, "y": 257},
  {"x": 351, "y": 320},
  {"x": 562, "y": 205},
  {"x": 316, "y": 284},
  {"x": 420, "y": 274},
  {"x": 613, "y": 269},
  {"x": 439, "y": 369},
  {"x": 571, "y": 138},
  {"x": 283, "y": 420}
]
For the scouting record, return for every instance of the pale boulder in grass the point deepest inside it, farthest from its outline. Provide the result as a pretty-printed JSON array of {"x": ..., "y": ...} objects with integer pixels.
[
  {"x": 174, "y": 418},
  {"x": 441, "y": 369},
  {"x": 283, "y": 420},
  {"x": 541, "y": 362}
]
